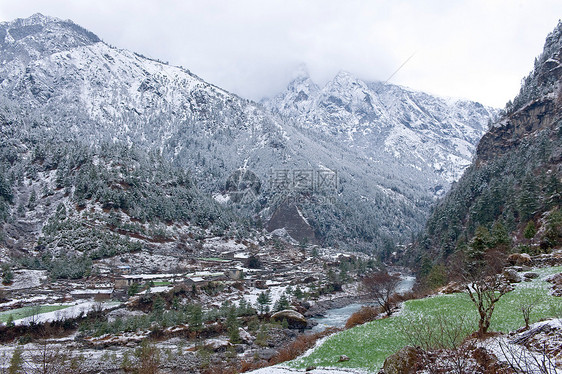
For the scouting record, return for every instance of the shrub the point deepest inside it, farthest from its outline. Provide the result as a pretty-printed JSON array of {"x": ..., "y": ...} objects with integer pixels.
[
  {"x": 363, "y": 315},
  {"x": 148, "y": 358},
  {"x": 300, "y": 345}
]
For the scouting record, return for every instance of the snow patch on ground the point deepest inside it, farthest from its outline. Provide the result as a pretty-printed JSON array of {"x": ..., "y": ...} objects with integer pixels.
[
  {"x": 221, "y": 199},
  {"x": 68, "y": 313},
  {"x": 276, "y": 292},
  {"x": 528, "y": 360},
  {"x": 27, "y": 279}
]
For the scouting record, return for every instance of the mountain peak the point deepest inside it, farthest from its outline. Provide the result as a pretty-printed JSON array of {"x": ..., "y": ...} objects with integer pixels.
[
  {"x": 25, "y": 39},
  {"x": 546, "y": 75},
  {"x": 40, "y": 19},
  {"x": 344, "y": 76},
  {"x": 344, "y": 79},
  {"x": 301, "y": 84},
  {"x": 35, "y": 19}
]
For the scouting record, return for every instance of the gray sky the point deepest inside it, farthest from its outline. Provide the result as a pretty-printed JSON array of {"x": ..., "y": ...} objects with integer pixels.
[{"x": 477, "y": 49}]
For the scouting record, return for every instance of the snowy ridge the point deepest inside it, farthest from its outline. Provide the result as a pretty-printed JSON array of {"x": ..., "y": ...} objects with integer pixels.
[{"x": 424, "y": 131}]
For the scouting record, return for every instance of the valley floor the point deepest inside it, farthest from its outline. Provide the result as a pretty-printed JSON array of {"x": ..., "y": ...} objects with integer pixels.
[{"x": 370, "y": 344}]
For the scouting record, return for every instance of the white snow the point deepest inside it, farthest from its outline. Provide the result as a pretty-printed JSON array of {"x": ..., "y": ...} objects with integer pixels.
[
  {"x": 275, "y": 291},
  {"x": 222, "y": 199},
  {"x": 92, "y": 291},
  {"x": 26, "y": 300},
  {"x": 70, "y": 312},
  {"x": 27, "y": 279},
  {"x": 519, "y": 355}
]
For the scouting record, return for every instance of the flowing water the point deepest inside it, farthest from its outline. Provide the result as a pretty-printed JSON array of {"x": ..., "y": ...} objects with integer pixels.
[{"x": 337, "y": 317}]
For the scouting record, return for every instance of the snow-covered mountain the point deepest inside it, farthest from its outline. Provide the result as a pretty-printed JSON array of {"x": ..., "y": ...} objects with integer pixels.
[
  {"x": 514, "y": 184},
  {"x": 429, "y": 133},
  {"x": 390, "y": 150}
]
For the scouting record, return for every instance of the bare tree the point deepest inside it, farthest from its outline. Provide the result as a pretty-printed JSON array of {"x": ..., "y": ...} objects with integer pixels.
[
  {"x": 47, "y": 359},
  {"x": 485, "y": 285},
  {"x": 526, "y": 306},
  {"x": 381, "y": 286},
  {"x": 485, "y": 293},
  {"x": 436, "y": 331}
]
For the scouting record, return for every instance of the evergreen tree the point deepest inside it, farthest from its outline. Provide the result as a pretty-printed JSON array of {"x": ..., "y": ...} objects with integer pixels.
[
  {"x": 158, "y": 306},
  {"x": 263, "y": 302},
  {"x": 530, "y": 230},
  {"x": 437, "y": 276},
  {"x": 175, "y": 303},
  {"x": 196, "y": 318},
  {"x": 7, "y": 274},
  {"x": 32, "y": 200},
  {"x": 16, "y": 362},
  {"x": 133, "y": 289},
  {"x": 298, "y": 293},
  {"x": 499, "y": 237},
  {"x": 5, "y": 189},
  {"x": 232, "y": 325},
  {"x": 528, "y": 198},
  {"x": 10, "y": 321},
  {"x": 282, "y": 304},
  {"x": 477, "y": 248}
]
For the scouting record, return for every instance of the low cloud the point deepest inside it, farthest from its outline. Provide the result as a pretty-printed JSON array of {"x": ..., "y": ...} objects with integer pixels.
[{"x": 474, "y": 49}]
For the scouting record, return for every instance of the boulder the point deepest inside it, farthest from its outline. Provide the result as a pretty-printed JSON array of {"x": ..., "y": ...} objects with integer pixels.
[
  {"x": 294, "y": 319},
  {"x": 557, "y": 281},
  {"x": 531, "y": 275},
  {"x": 519, "y": 259},
  {"x": 512, "y": 276},
  {"x": 245, "y": 336},
  {"x": 123, "y": 313},
  {"x": 239, "y": 348},
  {"x": 315, "y": 311},
  {"x": 402, "y": 362},
  {"x": 217, "y": 345}
]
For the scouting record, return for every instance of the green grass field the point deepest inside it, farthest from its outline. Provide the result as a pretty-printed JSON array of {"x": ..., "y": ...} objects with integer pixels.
[
  {"x": 29, "y": 311},
  {"x": 163, "y": 283},
  {"x": 368, "y": 345}
]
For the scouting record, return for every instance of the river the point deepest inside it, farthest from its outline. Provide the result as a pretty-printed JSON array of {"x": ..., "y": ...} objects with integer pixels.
[{"x": 338, "y": 317}]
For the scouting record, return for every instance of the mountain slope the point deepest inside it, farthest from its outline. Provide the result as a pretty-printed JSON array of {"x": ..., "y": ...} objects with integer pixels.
[
  {"x": 69, "y": 200},
  {"x": 381, "y": 121},
  {"x": 57, "y": 76},
  {"x": 515, "y": 182}
]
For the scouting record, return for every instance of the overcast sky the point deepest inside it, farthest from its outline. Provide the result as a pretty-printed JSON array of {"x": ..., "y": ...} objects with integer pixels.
[{"x": 476, "y": 49}]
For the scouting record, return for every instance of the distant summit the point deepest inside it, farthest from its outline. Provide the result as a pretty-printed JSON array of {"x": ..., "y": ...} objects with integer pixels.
[
  {"x": 429, "y": 133},
  {"x": 27, "y": 39}
]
